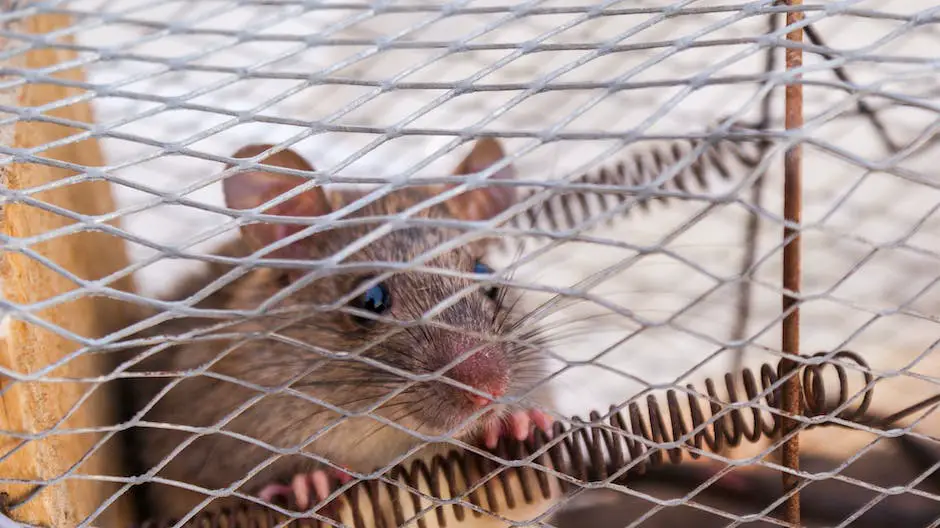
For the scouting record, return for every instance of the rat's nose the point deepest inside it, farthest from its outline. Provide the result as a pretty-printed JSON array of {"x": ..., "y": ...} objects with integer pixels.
[{"x": 486, "y": 370}]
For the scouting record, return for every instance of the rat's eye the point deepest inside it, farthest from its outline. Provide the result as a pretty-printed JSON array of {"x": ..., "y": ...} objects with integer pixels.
[
  {"x": 482, "y": 269},
  {"x": 376, "y": 299}
]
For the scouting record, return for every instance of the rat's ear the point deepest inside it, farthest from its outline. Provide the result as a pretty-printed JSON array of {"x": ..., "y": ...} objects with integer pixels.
[
  {"x": 485, "y": 202},
  {"x": 251, "y": 188}
]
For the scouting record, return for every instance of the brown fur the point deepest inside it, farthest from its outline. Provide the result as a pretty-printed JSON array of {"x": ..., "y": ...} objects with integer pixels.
[{"x": 296, "y": 356}]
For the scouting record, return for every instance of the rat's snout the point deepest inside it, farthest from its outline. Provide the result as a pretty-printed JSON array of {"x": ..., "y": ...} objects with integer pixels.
[{"x": 486, "y": 369}]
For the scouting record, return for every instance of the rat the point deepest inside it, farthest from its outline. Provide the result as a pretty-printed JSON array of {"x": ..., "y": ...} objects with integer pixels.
[{"x": 285, "y": 350}]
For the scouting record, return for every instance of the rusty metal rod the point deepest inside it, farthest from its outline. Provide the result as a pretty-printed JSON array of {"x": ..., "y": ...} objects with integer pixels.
[{"x": 792, "y": 263}]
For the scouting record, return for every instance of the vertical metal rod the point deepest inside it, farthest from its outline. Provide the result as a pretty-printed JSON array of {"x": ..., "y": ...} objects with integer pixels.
[{"x": 792, "y": 211}]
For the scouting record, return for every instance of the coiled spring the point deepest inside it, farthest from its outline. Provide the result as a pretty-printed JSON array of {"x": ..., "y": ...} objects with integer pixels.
[
  {"x": 605, "y": 448},
  {"x": 567, "y": 209}
]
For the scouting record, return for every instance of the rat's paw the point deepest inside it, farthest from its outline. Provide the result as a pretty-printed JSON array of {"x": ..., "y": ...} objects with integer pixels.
[
  {"x": 517, "y": 425},
  {"x": 306, "y": 489}
]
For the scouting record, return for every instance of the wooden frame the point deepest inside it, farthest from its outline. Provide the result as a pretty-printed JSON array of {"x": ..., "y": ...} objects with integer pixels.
[{"x": 34, "y": 406}]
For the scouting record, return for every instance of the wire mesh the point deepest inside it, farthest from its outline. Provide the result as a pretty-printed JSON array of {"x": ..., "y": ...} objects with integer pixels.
[{"x": 641, "y": 249}]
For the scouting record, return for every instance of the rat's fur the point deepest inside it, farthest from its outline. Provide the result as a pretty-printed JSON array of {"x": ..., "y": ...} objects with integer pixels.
[{"x": 291, "y": 357}]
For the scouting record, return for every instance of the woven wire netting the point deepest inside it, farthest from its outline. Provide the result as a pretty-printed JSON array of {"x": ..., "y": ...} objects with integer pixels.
[{"x": 648, "y": 142}]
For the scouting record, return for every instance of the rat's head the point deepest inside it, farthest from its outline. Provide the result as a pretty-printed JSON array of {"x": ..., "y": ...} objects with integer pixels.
[{"x": 419, "y": 322}]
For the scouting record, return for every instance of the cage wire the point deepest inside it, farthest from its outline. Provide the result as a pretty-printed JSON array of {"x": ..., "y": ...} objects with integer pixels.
[{"x": 647, "y": 141}]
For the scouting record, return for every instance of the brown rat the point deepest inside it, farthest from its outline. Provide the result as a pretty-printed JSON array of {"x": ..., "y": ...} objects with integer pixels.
[{"x": 287, "y": 349}]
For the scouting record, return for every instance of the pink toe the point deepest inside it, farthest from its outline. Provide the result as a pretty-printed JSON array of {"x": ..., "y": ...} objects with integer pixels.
[
  {"x": 541, "y": 420},
  {"x": 301, "y": 487},
  {"x": 341, "y": 475},
  {"x": 321, "y": 484},
  {"x": 491, "y": 433},
  {"x": 519, "y": 422},
  {"x": 274, "y": 490}
]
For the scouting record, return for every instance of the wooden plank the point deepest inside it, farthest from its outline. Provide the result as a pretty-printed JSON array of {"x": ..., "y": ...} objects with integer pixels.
[{"x": 35, "y": 406}]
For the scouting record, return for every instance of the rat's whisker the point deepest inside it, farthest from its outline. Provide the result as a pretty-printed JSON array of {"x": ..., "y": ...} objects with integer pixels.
[{"x": 379, "y": 426}]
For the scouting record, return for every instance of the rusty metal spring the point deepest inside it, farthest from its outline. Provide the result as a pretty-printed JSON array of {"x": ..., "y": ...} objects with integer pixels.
[
  {"x": 610, "y": 446},
  {"x": 567, "y": 209}
]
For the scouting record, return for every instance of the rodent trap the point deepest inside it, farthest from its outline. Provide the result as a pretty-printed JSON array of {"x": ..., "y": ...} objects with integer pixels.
[{"x": 303, "y": 263}]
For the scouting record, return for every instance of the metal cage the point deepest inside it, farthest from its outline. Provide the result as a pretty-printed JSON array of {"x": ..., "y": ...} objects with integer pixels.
[{"x": 699, "y": 188}]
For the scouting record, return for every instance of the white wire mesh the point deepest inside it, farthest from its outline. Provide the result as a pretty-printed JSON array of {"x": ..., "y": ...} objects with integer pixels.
[{"x": 382, "y": 92}]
